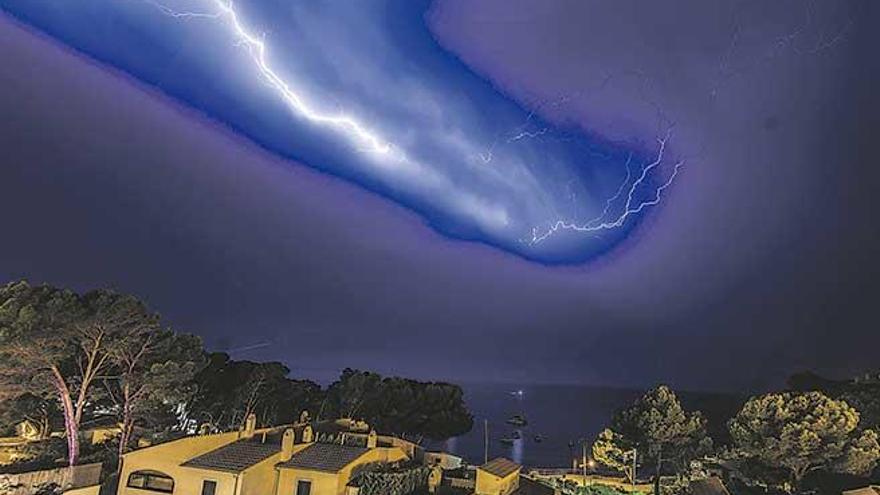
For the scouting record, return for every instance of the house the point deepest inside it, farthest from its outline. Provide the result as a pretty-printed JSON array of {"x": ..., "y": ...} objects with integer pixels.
[
  {"x": 28, "y": 430},
  {"x": 443, "y": 459},
  {"x": 324, "y": 468},
  {"x": 867, "y": 490},
  {"x": 499, "y": 476},
  {"x": 271, "y": 461},
  {"x": 307, "y": 458},
  {"x": 709, "y": 486}
]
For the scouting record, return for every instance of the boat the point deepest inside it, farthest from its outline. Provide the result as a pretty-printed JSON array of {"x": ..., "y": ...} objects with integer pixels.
[
  {"x": 539, "y": 439},
  {"x": 516, "y": 435},
  {"x": 517, "y": 420},
  {"x": 506, "y": 441}
]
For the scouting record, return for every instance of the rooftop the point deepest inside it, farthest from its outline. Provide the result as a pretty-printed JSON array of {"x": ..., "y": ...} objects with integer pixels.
[
  {"x": 327, "y": 457},
  {"x": 530, "y": 487},
  {"x": 501, "y": 467},
  {"x": 236, "y": 456},
  {"x": 868, "y": 490},
  {"x": 708, "y": 486}
]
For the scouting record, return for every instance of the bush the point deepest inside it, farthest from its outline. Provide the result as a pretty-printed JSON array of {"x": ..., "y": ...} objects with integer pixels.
[
  {"x": 48, "y": 489},
  {"x": 37, "y": 456},
  {"x": 399, "y": 481}
]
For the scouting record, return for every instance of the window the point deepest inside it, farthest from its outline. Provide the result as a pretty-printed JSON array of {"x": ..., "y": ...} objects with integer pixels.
[
  {"x": 209, "y": 487},
  {"x": 151, "y": 480},
  {"x": 303, "y": 487}
]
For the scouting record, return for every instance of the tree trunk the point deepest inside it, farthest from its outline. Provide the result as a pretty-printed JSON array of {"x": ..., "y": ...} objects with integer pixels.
[
  {"x": 71, "y": 425},
  {"x": 124, "y": 437},
  {"x": 659, "y": 469},
  {"x": 797, "y": 477}
]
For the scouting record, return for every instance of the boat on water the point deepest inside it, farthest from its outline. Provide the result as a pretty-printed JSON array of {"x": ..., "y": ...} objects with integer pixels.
[
  {"x": 507, "y": 441},
  {"x": 539, "y": 439},
  {"x": 517, "y": 420}
]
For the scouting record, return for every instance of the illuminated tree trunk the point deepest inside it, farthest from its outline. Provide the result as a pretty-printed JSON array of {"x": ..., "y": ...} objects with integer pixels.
[
  {"x": 124, "y": 434},
  {"x": 71, "y": 420}
]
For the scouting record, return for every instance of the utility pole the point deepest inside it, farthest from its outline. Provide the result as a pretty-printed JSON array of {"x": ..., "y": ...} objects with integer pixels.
[
  {"x": 485, "y": 441},
  {"x": 634, "y": 453},
  {"x": 584, "y": 461}
]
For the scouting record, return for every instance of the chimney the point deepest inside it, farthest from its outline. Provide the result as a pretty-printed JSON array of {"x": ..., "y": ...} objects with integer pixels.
[
  {"x": 308, "y": 434},
  {"x": 435, "y": 477},
  {"x": 372, "y": 439},
  {"x": 250, "y": 426},
  {"x": 287, "y": 444}
]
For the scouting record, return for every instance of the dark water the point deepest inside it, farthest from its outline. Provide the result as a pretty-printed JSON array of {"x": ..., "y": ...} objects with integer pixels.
[{"x": 560, "y": 414}]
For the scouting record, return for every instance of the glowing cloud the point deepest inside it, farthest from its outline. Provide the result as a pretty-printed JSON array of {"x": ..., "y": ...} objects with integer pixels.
[{"x": 364, "y": 92}]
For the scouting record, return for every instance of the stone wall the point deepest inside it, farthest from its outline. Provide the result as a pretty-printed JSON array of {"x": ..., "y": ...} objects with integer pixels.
[{"x": 65, "y": 478}]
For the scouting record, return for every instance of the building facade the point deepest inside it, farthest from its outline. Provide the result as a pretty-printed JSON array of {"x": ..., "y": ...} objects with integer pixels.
[{"x": 283, "y": 460}]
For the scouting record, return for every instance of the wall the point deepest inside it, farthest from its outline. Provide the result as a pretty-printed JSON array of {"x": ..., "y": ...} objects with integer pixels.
[
  {"x": 335, "y": 483},
  {"x": 444, "y": 460},
  {"x": 86, "y": 490},
  {"x": 259, "y": 479},
  {"x": 66, "y": 477},
  {"x": 322, "y": 483},
  {"x": 167, "y": 457},
  {"x": 489, "y": 484}
]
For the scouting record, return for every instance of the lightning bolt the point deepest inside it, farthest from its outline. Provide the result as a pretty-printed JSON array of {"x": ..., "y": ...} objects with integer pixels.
[
  {"x": 630, "y": 207},
  {"x": 780, "y": 46},
  {"x": 258, "y": 345},
  {"x": 368, "y": 140},
  {"x": 365, "y": 138},
  {"x": 181, "y": 15}
]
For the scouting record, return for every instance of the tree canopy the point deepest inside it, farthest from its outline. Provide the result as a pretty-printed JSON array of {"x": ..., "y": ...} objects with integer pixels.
[
  {"x": 151, "y": 377},
  {"x": 228, "y": 391},
  {"x": 57, "y": 342},
  {"x": 862, "y": 393},
  {"x": 81, "y": 356},
  {"x": 803, "y": 432},
  {"x": 401, "y": 406},
  {"x": 664, "y": 435}
]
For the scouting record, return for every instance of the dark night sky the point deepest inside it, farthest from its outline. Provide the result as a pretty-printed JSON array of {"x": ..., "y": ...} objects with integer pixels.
[{"x": 761, "y": 262}]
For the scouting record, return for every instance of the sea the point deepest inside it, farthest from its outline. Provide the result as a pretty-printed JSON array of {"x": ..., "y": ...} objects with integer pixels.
[{"x": 560, "y": 420}]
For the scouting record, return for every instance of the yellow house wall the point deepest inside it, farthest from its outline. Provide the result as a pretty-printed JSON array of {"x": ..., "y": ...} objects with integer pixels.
[
  {"x": 101, "y": 435},
  {"x": 86, "y": 490},
  {"x": 167, "y": 457},
  {"x": 381, "y": 454},
  {"x": 335, "y": 483},
  {"x": 322, "y": 483},
  {"x": 259, "y": 479},
  {"x": 489, "y": 484},
  {"x": 189, "y": 482}
]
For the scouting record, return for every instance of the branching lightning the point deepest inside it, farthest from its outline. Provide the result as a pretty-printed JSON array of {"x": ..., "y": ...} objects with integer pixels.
[
  {"x": 365, "y": 138},
  {"x": 791, "y": 41},
  {"x": 629, "y": 208}
]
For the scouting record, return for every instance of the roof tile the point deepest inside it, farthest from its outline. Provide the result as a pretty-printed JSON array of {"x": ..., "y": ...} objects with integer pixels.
[
  {"x": 327, "y": 457},
  {"x": 235, "y": 457},
  {"x": 500, "y": 467}
]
